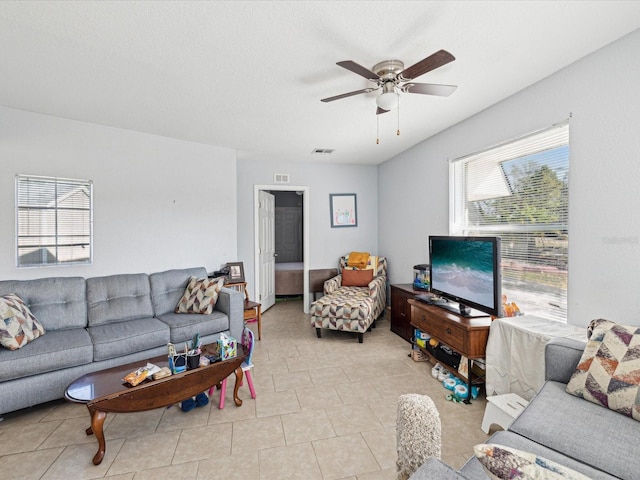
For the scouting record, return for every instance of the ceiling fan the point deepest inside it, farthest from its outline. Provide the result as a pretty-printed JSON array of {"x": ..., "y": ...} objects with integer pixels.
[{"x": 390, "y": 75}]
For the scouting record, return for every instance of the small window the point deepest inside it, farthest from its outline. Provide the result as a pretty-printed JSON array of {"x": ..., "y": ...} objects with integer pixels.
[{"x": 54, "y": 221}]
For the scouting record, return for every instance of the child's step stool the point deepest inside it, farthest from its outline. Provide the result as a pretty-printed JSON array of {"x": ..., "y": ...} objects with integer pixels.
[{"x": 502, "y": 410}]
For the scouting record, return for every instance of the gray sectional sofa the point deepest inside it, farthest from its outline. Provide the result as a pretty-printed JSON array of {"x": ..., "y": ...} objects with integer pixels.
[
  {"x": 96, "y": 323},
  {"x": 568, "y": 430}
]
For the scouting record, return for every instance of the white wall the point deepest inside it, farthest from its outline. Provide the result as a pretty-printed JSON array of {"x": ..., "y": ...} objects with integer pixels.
[
  {"x": 159, "y": 203},
  {"x": 326, "y": 244},
  {"x": 601, "y": 93}
]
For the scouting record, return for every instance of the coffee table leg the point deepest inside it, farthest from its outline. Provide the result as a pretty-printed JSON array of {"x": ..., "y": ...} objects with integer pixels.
[
  {"x": 97, "y": 422},
  {"x": 239, "y": 375}
]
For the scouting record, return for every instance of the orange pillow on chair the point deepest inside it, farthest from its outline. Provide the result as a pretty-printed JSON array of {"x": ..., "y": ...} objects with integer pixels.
[{"x": 356, "y": 278}]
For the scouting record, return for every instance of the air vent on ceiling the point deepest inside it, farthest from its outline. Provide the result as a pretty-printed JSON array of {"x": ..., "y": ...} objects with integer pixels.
[
  {"x": 281, "y": 177},
  {"x": 322, "y": 151}
]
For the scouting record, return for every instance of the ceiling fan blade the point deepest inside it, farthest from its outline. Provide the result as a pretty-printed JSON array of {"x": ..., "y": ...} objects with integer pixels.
[
  {"x": 359, "y": 69},
  {"x": 381, "y": 111},
  {"x": 350, "y": 94},
  {"x": 429, "y": 89},
  {"x": 438, "y": 59}
]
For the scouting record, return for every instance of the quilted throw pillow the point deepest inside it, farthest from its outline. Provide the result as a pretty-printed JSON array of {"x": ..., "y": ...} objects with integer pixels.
[
  {"x": 18, "y": 326},
  {"x": 609, "y": 370},
  {"x": 200, "y": 296},
  {"x": 505, "y": 463}
]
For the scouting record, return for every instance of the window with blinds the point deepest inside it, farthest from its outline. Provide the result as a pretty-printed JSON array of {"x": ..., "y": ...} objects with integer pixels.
[
  {"x": 54, "y": 221},
  {"x": 519, "y": 191}
]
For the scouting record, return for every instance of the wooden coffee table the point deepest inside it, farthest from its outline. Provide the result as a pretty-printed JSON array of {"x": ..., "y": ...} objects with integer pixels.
[{"x": 104, "y": 391}]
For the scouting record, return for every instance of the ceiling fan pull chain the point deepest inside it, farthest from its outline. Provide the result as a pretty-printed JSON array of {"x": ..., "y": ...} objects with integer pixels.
[
  {"x": 398, "y": 130},
  {"x": 377, "y": 130}
]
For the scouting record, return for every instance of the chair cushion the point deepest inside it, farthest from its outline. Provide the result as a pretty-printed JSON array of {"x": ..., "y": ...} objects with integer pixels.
[
  {"x": 18, "y": 326},
  {"x": 168, "y": 287},
  {"x": 123, "y": 338},
  {"x": 118, "y": 298},
  {"x": 54, "y": 351},
  {"x": 183, "y": 326}
]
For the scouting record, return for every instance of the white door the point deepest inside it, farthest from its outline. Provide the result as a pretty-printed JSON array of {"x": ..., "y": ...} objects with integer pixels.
[{"x": 266, "y": 248}]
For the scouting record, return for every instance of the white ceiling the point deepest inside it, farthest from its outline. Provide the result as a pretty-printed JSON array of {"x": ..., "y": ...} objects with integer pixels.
[{"x": 250, "y": 75}]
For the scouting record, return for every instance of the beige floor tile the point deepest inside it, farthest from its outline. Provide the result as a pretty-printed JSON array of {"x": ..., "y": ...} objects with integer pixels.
[
  {"x": 29, "y": 415},
  {"x": 383, "y": 446},
  {"x": 386, "y": 474},
  {"x": 133, "y": 424},
  {"x": 318, "y": 397},
  {"x": 243, "y": 466},
  {"x": 65, "y": 410},
  {"x": 257, "y": 434},
  {"x": 185, "y": 471},
  {"x": 201, "y": 443},
  {"x": 277, "y": 403},
  {"x": 75, "y": 462},
  {"x": 328, "y": 376},
  {"x": 270, "y": 367},
  {"x": 358, "y": 392},
  {"x": 292, "y": 462},
  {"x": 341, "y": 457},
  {"x": 291, "y": 381},
  {"x": 231, "y": 412},
  {"x": 385, "y": 410},
  {"x": 353, "y": 419},
  {"x": 303, "y": 363},
  {"x": 307, "y": 426},
  {"x": 25, "y": 437},
  {"x": 174, "y": 418},
  {"x": 71, "y": 431},
  {"x": 145, "y": 452},
  {"x": 28, "y": 465}
]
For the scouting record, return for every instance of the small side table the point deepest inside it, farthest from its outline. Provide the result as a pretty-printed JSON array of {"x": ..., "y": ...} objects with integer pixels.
[
  {"x": 502, "y": 410},
  {"x": 252, "y": 310}
]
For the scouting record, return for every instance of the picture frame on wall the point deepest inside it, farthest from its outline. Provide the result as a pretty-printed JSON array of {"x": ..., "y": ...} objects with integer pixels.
[
  {"x": 236, "y": 272},
  {"x": 344, "y": 211}
]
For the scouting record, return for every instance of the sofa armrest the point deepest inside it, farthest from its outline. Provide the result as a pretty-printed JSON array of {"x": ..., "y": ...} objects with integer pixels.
[
  {"x": 561, "y": 357},
  {"x": 435, "y": 469},
  {"x": 332, "y": 284},
  {"x": 231, "y": 303}
]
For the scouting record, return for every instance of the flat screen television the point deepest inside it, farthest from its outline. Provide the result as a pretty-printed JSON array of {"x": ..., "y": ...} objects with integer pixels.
[{"x": 467, "y": 270}]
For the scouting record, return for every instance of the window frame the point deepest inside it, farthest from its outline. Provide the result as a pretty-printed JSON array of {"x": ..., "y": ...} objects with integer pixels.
[{"x": 35, "y": 210}]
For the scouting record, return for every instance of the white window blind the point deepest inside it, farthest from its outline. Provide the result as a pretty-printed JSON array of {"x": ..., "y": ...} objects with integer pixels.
[
  {"x": 519, "y": 191},
  {"x": 54, "y": 221}
]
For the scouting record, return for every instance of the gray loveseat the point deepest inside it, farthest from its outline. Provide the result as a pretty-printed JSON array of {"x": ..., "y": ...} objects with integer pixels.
[
  {"x": 96, "y": 323},
  {"x": 581, "y": 435}
]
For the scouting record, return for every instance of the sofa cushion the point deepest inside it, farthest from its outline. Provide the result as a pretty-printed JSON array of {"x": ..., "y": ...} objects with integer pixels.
[
  {"x": 57, "y": 302},
  {"x": 506, "y": 463},
  {"x": 117, "y": 298},
  {"x": 168, "y": 287},
  {"x": 473, "y": 468},
  {"x": 356, "y": 278},
  {"x": 200, "y": 295},
  {"x": 576, "y": 428},
  {"x": 608, "y": 373},
  {"x": 184, "y": 326},
  {"x": 18, "y": 326},
  {"x": 113, "y": 340},
  {"x": 56, "y": 350}
]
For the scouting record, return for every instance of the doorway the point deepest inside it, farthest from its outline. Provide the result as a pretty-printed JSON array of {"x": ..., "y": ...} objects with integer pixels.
[{"x": 264, "y": 285}]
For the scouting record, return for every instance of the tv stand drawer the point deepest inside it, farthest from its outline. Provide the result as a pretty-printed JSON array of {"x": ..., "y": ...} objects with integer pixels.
[{"x": 446, "y": 332}]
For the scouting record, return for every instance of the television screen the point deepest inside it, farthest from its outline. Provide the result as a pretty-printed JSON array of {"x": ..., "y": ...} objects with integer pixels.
[{"x": 467, "y": 270}]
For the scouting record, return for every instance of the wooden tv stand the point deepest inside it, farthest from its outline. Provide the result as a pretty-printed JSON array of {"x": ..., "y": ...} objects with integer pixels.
[{"x": 467, "y": 336}]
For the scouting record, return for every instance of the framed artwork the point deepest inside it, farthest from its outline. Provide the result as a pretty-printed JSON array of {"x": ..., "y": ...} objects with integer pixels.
[
  {"x": 344, "y": 212},
  {"x": 236, "y": 272}
]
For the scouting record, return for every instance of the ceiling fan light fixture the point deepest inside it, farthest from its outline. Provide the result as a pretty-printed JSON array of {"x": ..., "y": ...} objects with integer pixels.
[{"x": 388, "y": 99}]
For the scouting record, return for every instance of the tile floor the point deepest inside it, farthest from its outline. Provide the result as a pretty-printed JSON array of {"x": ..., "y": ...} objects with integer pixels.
[{"x": 325, "y": 409}]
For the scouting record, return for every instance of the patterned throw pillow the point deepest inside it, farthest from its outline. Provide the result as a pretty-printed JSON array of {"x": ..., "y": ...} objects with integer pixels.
[
  {"x": 18, "y": 326},
  {"x": 505, "y": 463},
  {"x": 609, "y": 370},
  {"x": 356, "y": 278},
  {"x": 200, "y": 296}
]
